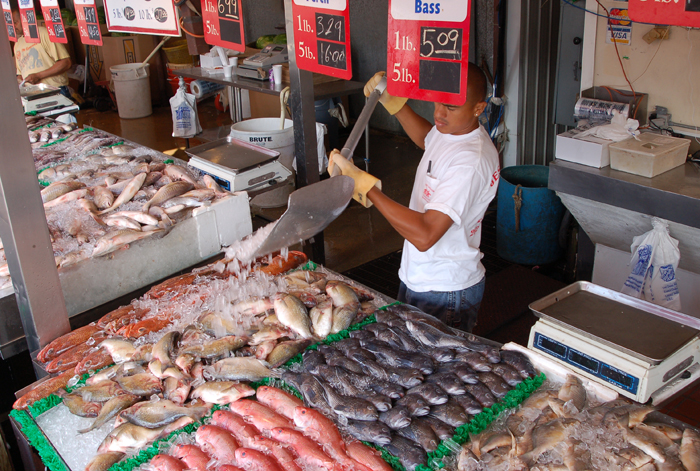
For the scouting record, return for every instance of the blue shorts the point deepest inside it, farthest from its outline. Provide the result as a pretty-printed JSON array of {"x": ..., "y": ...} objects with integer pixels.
[{"x": 458, "y": 309}]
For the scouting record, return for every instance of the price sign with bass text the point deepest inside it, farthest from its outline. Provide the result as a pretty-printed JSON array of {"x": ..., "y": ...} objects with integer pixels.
[
  {"x": 666, "y": 12},
  {"x": 7, "y": 14},
  {"x": 223, "y": 23},
  {"x": 322, "y": 37},
  {"x": 54, "y": 21},
  {"x": 428, "y": 50},
  {"x": 29, "y": 25},
  {"x": 88, "y": 25},
  {"x": 136, "y": 16}
]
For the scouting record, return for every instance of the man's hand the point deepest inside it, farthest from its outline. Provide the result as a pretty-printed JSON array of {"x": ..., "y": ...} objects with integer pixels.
[
  {"x": 363, "y": 180},
  {"x": 33, "y": 79},
  {"x": 392, "y": 103}
]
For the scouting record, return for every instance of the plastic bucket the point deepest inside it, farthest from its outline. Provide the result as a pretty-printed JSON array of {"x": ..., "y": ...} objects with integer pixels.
[
  {"x": 528, "y": 235},
  {"x": 132, "y": 90}
]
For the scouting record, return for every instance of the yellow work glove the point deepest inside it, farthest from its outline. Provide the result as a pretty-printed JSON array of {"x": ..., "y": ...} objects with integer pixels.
[
  {"x": 392, "y": 103},
  {"x": 363, "y": 180}
]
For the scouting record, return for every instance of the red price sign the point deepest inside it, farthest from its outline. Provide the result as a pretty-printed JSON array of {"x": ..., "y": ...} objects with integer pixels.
[
  {"x": 54, "y": 21},
  {"x": 28, "y": 17},
  {"x": 88, "y": 25},
  {"x": 428, "y": 50},
  {"x": 223, "y": 23},
  {"x": 7, "y": 14},
  {"x": 322, "y": 36},
  {"x": 666, "y": 12}
]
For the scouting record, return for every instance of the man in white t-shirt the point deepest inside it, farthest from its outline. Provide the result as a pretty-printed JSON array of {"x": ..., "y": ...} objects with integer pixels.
[{"x": 441, "y": 271}]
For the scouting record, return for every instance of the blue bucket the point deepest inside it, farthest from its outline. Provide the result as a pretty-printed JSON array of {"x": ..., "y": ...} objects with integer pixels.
[{"x": 530, "y": 234}]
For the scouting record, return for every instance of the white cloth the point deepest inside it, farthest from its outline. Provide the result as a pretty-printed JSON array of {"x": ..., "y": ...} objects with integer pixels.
[{"x": 464, "y": 174}]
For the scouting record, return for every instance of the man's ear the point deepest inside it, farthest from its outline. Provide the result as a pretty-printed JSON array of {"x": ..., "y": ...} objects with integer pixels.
[{"x": 479, "y": 108}]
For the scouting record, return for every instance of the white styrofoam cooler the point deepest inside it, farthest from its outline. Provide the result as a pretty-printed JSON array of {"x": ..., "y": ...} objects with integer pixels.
[
  {"x": 588, "y": 150},
  {"x": 650, "y": 155},
  {"x": 96, "y": 281}
]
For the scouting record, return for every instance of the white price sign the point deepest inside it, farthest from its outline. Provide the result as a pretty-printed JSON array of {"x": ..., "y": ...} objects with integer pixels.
[
  {"x": 453, "y": 11},
  {"x": 49, "y": 3},
  {"x": 338, "y": 5},
  {"x": 136, "y": 16}
]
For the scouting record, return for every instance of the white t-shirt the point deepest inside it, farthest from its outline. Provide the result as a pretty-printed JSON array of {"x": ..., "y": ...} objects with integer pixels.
[{"x": 462, "y": 181}]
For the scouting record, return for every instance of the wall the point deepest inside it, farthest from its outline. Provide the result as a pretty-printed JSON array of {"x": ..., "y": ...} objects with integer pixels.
[
  {"x": 263, "y": 17},
  {"x": 668, "y": 78}
]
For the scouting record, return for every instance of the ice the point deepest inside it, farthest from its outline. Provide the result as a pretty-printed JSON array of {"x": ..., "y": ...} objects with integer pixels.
[
  {"x": 60, "y": 427},
  {"x": 243, "y": 250}
]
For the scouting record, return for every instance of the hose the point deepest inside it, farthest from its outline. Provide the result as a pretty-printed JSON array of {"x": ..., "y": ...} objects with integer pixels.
[{"x": 284, "y": 98}]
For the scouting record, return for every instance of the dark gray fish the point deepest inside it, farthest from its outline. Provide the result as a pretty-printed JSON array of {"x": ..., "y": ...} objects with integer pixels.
[
  {"x": 451, "y": 413},
  {"x": 397, "y": 417},
  {"x": 311, "y": 389},
  {"x": 469, "y": 404},
  {"x": 405, "y": 377},
  {"x": 376, "y": 327},
  {"x": 495, "y": 383},
  {"x": 410, "y": 313},
  {"x": 441, "y": 429},
  {"x": 461, "y": 370},
  {"x": 475, "y": 360},
  {"x": 346, "y": 344},
  {"x": 389, "y": 336},
  {"x": 447, "y": 381},
  {"x": 518, "y": 361},
  {"x": 416, "y": 405},
  {"x": 396, "y": 323},
  {"x": 336, "y": 358},
  {"x": 433, "y": 337},
  {"x": 334, "y": 377},
  {"x": 408, "y": 452},
  {"x": 311, "y": 360},
  {"x": 382, "y": 315},
  {"x": 359, "y": 354},
  {"x": 387, "y": 355},
  {"x": 393, "y": 391},
  {"x": 440, "y": 355},
  {"x": 373, "y": 432},
  {"x": 421, "y": 433},
  {"x": 509, "y": 374},
  {"x": 350, "y": 407},
  {"x": 481, "y": 393},
  {"x": 388, "y": 389},
  {"x": 361, "y": 334},
  {"x": 409, "y": 343},
  {"x": 431, "y": 392}
]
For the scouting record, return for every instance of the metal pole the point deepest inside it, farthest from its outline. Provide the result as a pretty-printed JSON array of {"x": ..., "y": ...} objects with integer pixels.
[
  {"x": 23, "y": 228},
  {"x": 301, "y": 100}
]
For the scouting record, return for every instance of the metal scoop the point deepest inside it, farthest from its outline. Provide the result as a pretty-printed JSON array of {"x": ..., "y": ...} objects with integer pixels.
[{"x": 312, "y": 208}]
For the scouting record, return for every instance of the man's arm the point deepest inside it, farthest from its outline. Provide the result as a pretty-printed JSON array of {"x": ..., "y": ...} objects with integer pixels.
[
  {"x": 415, "y": 125},
  {"x": 423, "y": 230},
  {"x": 58, "y": 68}
]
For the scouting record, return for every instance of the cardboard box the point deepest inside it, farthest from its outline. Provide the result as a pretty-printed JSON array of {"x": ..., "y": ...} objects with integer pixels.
[{"x": 589, "y": 150}]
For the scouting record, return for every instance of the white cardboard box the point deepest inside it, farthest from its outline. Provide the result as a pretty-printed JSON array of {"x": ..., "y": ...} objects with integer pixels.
[{"x": 589, "y": 150}]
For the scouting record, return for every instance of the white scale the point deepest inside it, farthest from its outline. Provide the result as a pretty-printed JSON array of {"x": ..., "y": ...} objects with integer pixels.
[
  {"x": 632, "y": 346},
  {"x": 45, "y": 100},
  {"x": 258, "y": 66},
  {"x": 237, "y": 165}
]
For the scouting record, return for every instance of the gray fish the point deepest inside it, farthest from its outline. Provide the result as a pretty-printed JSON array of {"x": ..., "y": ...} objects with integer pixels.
[
  {"x": 283, "y": 351},
  {"x": 433, "y": 337},
  {"x": 142, "y": 384},
  {"x": 520, "y": 362},
  {"x": 401, "y": 359},
  {"x": 312, "y": 359},
  {"x": 397, "y": 417},
  {"x": 334, "y": 377},
  {"x": 462, "y": 371},
  {"x": 384, "y": 315},
  {"x": 481, "y": 393},
  {"x": 405, "y": 377},
  {"x": 441, "y": 429},
  {"x": 215, "y": 348},
  {"x": 376, "y": 327},
  {"x": 451, "y": 413},
  {"x": 373, "y": 432},
  {"x": 359, "y": 354},
  {"x": 336, "y": 358},
  {"x": 409, "y": 313},
  {"x": 431, "y": 392},
  {"x": 475, "y": 360},
  {"x": 447, "y": 381},
  {"x": 350, "y": 407},
  {"x": 171, "y": 190},
  {"x": 154, "y": 414},
  {"x": 469, "y": 404},
  {"x": 111, "y": 408},
  {"x": 509, "y": 374},
  {"x": 416, "y": 405},
  {"x": 346, "y": 344},
  {"x": 409, "y": 454},
  {"x": 421, "y": 433},
  {"x": 440, "y": 355},
  {"x": 495, "y": 383},
  {"x": 361, "y": 334},
  {"x": 239, "y": 369}
]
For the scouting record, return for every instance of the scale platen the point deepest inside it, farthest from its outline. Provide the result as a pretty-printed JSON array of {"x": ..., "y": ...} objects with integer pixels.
[
  {"x": 43, "y": 98},
  {"x": 630, "y": 345}
]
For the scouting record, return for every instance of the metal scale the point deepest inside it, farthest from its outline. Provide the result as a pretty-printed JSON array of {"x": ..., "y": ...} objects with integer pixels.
[
  {"x": 45, "y": 99},
  {"x": 237, "y": 165},
  {"x": 632, "y": 346},
  {"x": 258, "y": 66}
]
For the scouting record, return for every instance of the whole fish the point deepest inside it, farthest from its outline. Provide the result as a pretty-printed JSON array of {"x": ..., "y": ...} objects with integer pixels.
[
  {"x": 312, "y": 359},
  {"x": 310, "y": 453},
  {"x": 475, "y": 360},
  {"x": 495, "y": 383},
  {"x": 166, "y": 463},
  {"x": 66, "y": 342},
  {"x": 397, "y": 417},
  {"x": 430, "y": 336},
  {"x": 406, "y": 312},
  {"x": 447, "y": 381},
  {"x": 102, "y": 196},
  {"x": 185, "y": 362},
  {"x": 690, "y": 450},
  {"x": 177, "y": 390},
  {"x": 43, "y": 389},
  {"x": 350, "y": 407},
  {"x": 72, "y": 196},
  {"x": 416, "y": 405},
  {"x": 321, "y": 429},
  {"x": 269, "y": 332},
  {"x": 93, "y": 361},
  {"x": 284, "y": 351},
  {"x": 80, "y": 407},
  {"x": 311, "y": 389},
  {"x": 573, "y": 390},
  {"x": 451, "y": 413},
  {"x": 343, "y": 317},
  {"x": 254, "y": 460},
  {"x": 336, "y": 358},
  {"x": 469, "y": 404},
  {"x": 217, "y": 443},
  {"x": 127, "y": 193},
  {"x": 408, "y": 453},
  {"x": 100, "y": 392},
  {"x": 431, "y": 392},
  {"x": 547, "y": 436},
  {"x": 171, "y": 190},
  {"x": 520, "y": 362},
  {"x": 341, "y": 293},
  {"x": 58, "y": 189},
  {"x": 345, "y": 388},
  {"x": 154, "y": 414},
  {"x": 362, "y": 334},
  {"x": 212, "y": 185},
  {"x": 179, "y": 173},
  {"x": 129, "y": 437},
  {"x": 374, "y": 432},
  {"x": 400, "y": 359},
  {"x": 111, "y": 408},
  {"x": 239, "y": 369},
  {"x": 143, "y": 218},
  {"x": 261, "y": 416},
  {"x": 242, "y": 431},
  {"x": 361, "y": 355},
  {"x": 192, "y": 456},
  {"x": 322, "y": 318},
  {"x": 142, "y": 384},
  {"x": 284, "y": 456},
  {"x": 509, "y": 374},
  {"x": 420, "y": 433},
  {"x": 115, "y": 240},
  {"x": 481, "y": 393},
  {"x": 222, "y": 392},
  {"x": 464, "y": 372},
  {"x": 291, "y": 313},
  {"x": 184, "y": 202},
  {"x": 70, "y": 358},
  {"x": 367, "y": 456},
  {"x": 120, "y": 350},
  {"x": 104, "y": 461},
  {"x": 278, "y": 400},
  {"x": 201, "y": 194},
  {"x": 405, "y": 377},
  {"x": 165, "y": 347},
  {"x": 216, "y": 348},
  {"x": 442, "y": 430}
]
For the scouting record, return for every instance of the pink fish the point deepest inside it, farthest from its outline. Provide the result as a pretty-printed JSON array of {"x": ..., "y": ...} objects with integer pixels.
[
  {"x": 217, "y": 442},
  {"x": 310, "y": 453},
  {"x": 234, "y": 423},
  {"x": 192, "y": 456},
  {"x": 280, "y": 401},
  {"x": 253, "y": 460},
  {"x": 259, "y": 415},
  {"x": 166, "y": 463}
]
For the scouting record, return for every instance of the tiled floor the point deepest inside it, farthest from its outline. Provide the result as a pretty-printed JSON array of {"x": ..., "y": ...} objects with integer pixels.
[{"x": 686, "y": 406}]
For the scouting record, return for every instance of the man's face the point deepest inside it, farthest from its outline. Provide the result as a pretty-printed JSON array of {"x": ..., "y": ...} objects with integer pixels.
[
  {"x": 18, "y": 22},
  {"x": 451, "y": 119}
]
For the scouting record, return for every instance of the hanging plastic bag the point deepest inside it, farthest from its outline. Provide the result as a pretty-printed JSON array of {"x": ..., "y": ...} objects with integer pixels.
[
  {"x": 655, "y": 257},
  {"x": 184, "y": 108}
]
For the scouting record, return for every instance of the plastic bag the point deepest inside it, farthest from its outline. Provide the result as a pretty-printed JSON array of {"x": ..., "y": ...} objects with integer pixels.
[
  {"x": 619, "y": 129},
  {"x": 655, "y": 257},
  {"x": 185, "y": 118},
  {"x": 321, "y": 131}
]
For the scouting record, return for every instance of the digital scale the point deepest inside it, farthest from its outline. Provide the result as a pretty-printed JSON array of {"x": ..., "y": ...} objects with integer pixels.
[
  {"x": 258, "y": 65},
  {"x": 45, "y": 100},
  {"x": 237, "y": 165},
  {"x": 632, "y": 346}
]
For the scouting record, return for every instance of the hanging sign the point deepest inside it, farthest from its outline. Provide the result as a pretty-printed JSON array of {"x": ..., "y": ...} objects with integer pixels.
[
  {"x": 428, "y": 50},
  {"x": 88, "y": 25},
  {"x": 666, "y": 12},
  {"x": 223, "y": 23},
  {"x": 28, "y": 16},
  {"x": 54, "y": 21},
  {"x": 136, "y": 16},
  {"x": 7, "y": 13},
  {"x": 322, "y": 36}
]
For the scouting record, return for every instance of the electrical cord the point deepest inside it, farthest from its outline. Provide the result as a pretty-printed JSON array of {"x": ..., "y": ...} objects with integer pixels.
[{"x": 569, "y": 2}]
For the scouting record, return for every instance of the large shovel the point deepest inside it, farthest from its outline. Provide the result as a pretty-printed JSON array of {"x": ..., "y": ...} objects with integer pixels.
[{"x": 312, "y": 208}]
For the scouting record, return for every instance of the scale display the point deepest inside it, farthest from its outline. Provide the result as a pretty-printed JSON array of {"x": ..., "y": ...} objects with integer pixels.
[
  {"x": 223, "y": 23},
  {"x": 428, "y": 50},
  {"x": 685, "y": 13},
  {"x": 29, "y": 24},
  {"x": 7, "y": 14},
  {"x": 54, "y": 21},
  {"x": 322, "y": 37},
  {"x": 590, "y": 365},
  {"x": 88, "y": 24}
]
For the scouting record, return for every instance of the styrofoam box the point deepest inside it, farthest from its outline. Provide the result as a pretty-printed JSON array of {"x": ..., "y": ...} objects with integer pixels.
[
  {"x": 650, "y": 155},
  {"x": 587, "y": 150},
  {"x": 207, "y": 61}
]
